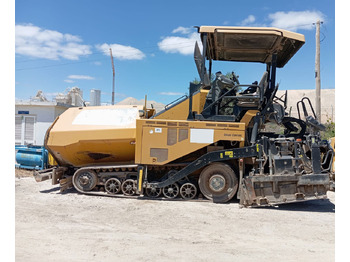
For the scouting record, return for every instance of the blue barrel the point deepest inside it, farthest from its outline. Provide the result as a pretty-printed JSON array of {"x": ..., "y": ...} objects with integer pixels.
[{"x": 31, "y": 157}]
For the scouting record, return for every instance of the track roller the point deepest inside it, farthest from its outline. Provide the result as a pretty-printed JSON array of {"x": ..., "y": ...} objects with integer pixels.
[
  {"x": 129, "y": 187},
  {"x": 188, "y": 191},
  {"x": 153, "y": 192},
  {"x": 171, "y": 191},
  {"x": 113, "y": 186}
]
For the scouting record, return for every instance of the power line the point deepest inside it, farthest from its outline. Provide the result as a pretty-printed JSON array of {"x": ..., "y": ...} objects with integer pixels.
[
  {"x": 64, "y": 64},
  {"x": 40, "y": 58}
]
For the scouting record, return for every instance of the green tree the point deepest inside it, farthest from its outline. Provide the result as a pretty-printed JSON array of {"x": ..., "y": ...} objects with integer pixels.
[{"x": 330, "y": 129}]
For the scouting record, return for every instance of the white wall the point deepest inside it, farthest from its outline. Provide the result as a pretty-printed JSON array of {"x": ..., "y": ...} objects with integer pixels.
[
  {"x": 44, "y": 117},
  {"x": 327, "y": 102}
]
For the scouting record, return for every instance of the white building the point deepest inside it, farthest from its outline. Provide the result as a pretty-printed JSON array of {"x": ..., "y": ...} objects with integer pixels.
[
  {"x": 33, "y": 118},
  {"x": 95, "y": 97},
  {"x": 73, "y": 96}
]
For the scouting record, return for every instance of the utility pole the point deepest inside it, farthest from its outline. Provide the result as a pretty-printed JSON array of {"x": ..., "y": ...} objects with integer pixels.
[
  {"x": 317, "y": 72},
  {"x": 110, "y": 51}
]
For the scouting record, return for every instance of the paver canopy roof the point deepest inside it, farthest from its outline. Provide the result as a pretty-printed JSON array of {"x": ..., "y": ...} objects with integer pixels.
[{"x": 251, "y": 44}]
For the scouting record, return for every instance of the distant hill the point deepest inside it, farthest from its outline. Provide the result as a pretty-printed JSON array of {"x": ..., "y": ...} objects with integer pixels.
[{"x": 133, "y": 101}]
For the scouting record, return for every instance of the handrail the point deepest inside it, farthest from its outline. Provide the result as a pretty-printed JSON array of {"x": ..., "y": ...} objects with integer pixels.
[
  {"x": 184, "y": 97},
  {"x": 304, "y": 107},
  {"x": 231, "y": 90}
]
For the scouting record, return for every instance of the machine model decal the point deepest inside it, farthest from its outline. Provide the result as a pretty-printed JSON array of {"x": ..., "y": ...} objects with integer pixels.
[{"x": 202, "y": 136}]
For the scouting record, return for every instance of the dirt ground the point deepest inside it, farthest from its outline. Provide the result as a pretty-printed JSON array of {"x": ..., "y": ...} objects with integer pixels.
[{"x": 54, "y": 226}]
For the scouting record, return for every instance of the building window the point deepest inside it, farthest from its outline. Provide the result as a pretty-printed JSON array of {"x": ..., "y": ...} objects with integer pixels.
[{"x": 24, "y": 130}]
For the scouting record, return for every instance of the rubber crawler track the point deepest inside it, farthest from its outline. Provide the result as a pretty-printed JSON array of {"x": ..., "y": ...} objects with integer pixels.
[{"x": 93, "y": 192}]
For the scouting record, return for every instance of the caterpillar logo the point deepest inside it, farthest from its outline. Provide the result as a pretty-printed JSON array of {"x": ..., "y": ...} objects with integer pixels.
[{"x": 229, "y": 153}]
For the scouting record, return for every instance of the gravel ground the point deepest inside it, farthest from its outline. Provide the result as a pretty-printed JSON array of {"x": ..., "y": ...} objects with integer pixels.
[{"x": 54, "y": 226}]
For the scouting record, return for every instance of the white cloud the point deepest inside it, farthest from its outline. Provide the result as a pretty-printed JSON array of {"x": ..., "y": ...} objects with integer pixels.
[
  {"x": 81, "y": 77},
  {"x": 248, "y": 21},
  {"x": 42, "y": 43},
  {"x": 182, "y": 45},
  {"x": 171, "y": 93},
  {"x": 122, "y": 52},
  {"x": 296, "y": 20},
  {"x": 182, "y": 30}
]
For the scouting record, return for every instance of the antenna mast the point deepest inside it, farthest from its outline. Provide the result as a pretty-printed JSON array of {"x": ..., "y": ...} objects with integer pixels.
[
  {"x": 318, "y": 72},
  {"x": 110, "y": 51}
]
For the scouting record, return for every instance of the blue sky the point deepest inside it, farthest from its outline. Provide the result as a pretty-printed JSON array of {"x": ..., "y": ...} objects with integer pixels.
[{"x": 61, "y": 44}]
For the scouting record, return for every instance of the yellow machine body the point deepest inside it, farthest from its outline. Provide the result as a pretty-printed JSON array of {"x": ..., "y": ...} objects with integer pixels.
[
  {"x": 104, "y": 135},
  {"x": 94, "y": 135},
  {"x": 161, "y": 142},
  {"x": 211, "y": 143},
  {"x": 87, "y": 136},
  {"x": 180, "y": 111}
]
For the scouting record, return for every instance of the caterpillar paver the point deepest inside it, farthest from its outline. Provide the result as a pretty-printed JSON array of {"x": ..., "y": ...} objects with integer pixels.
[{"x": 209, "y": 144}]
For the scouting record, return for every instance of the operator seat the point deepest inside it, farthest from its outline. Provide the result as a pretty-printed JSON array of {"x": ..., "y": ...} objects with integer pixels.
[
  {"x": 251, "y": 96},
  {"x": 219, "y": 86}
]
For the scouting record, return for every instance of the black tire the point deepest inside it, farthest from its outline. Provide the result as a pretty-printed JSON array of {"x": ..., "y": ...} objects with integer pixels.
[
  {"x": 84, "y": 180},
  {"x": 218, "y": 182}
]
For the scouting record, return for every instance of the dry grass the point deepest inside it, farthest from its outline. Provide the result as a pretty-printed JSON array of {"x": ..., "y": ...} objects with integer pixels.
[{"x": 19, "y": 172}]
